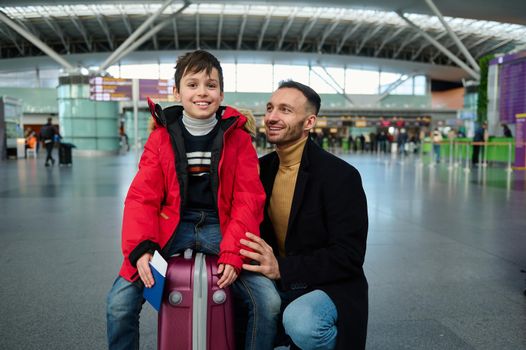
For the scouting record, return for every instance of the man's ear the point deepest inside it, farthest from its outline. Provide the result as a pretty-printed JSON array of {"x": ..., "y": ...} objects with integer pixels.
[
  {"x": 176, "y": 94},
  {"x": 310, "y": 122}
]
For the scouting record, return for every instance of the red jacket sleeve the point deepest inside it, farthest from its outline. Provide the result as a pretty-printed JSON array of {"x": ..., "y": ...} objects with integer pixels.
[
  {"x": 140, "y": 227},
  {"x": 247, "y": 203}
]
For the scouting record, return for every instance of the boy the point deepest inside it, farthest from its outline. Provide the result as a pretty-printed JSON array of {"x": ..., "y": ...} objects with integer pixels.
[{"x": 197, "y": 187}]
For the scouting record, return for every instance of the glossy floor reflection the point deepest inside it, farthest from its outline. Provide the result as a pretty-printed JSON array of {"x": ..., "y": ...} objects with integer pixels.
[{"x": 444, "y": 254}]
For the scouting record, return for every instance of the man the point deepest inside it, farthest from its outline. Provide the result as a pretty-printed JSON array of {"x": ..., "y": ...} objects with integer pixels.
[
  {"x": 47, "y": 135},
  {"x": 316, "y": 228},
  {"x": 481, "y": 135}
]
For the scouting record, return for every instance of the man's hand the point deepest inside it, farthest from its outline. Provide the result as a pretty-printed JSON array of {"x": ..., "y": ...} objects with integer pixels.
[
  {"x": 263, "y": 254},
  {"x": 228, "y": 275},
  {"x": 143, "y": 266}
]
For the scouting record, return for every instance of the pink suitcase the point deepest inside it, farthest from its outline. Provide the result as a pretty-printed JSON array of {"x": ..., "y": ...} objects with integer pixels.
[{"x": 195, "y": 313}]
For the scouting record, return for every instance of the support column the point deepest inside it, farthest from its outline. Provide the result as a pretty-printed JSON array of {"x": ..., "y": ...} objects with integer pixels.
[{"x": 92, "y": 126}]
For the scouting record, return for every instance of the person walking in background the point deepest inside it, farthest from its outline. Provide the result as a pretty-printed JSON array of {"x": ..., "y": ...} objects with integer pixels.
[
  {"x": 506, "y": 130},
  {"x": 437, "y": 139},
  {"x": 480, "y": 136},
  {"x": 47, "y": 135}
]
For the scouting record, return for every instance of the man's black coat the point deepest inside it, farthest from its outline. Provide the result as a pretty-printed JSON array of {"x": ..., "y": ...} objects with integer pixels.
[{"x": 326, "y": 237}]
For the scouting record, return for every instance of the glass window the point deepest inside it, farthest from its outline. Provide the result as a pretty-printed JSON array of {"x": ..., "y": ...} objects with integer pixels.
[
  {"x": 296, "y": 73},
  {"x": 386, "y": 79},
  {"x": 139, "y": 71},
  {"x": 420, "y": 85},
  {"x": 254, "y": 77},
  {"x": 229, "y": 76},
  {"x": 406, "y": 88},
  {"x": 327, "y": 85},
  {"x": 358, "y": 81}
]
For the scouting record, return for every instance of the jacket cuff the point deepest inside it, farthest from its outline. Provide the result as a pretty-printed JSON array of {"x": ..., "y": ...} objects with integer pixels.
[
  {"x": 143, "y": 247},
  {"x": 231, "y": 259}
]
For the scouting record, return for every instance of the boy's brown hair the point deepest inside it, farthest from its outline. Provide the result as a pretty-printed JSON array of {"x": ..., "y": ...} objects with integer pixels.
[{"x": 195, "y": 62}]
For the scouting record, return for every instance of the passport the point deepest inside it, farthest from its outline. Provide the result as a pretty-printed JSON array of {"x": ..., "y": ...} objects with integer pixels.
[{"x": 154, "y": 295}]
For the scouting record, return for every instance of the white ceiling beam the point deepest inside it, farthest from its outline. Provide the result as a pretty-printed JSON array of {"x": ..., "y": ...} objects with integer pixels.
[
  {"x": 329, "y": 29},
  {"x": 242, "y": 28},
  {"x": 197, "y": 29},
  {"x": 485, "y": 51},
  {"x": 176, "y": 33},
  {"x": 57, "y": 30},
  {"x": 426, "y": 44},
  {"x": 220, "y": 27},
  {"x": 35, "y": 41},
  {"x": 286, "y": 28},
  {"x": 8, "y": 34},
  {"x": 132, "y": 38},
  {"x": 388, "y": 39},
  {"x": 78, "y": 24},
  {"x": 455, "y": 38},
  {"x": 103, "y": 25},
  {"x": 125, "y": 19},
  {"x": 367, "y": 37},
  {"x": 440, "y": 47},
  {"x": 448, "y": 45},
  {"x": 264, "y": 27},
  {"x": 348, "y": 33},
  {"x": 405, "y": 43},
  {"x": 308, "y": 27}
]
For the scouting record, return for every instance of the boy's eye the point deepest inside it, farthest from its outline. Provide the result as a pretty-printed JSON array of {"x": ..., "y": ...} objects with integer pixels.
[
  {"x": 212, "y": 86},
  {"x": 191, "y": 85}
]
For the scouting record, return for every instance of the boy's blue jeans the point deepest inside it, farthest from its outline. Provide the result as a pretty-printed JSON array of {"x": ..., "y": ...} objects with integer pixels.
[{"x": 200, "y": 231}]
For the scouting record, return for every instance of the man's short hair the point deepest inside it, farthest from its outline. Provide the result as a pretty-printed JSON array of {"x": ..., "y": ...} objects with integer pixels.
[
  {"x": 313, "y": 99},
  {"x": 195, "y": 62}
]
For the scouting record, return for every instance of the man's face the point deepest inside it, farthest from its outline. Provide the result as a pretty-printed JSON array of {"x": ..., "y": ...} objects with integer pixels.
[
  {"x": 200, "y": 93},
  {"x": 287, "y": 118}
]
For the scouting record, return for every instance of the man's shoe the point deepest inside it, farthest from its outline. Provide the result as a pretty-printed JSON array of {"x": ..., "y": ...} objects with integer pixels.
[
  {"x": 47, "y": 164},
  {"x": 52, "y": 161}
]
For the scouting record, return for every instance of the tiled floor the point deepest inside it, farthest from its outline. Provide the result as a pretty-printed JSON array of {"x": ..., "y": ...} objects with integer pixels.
[{"x": 444, "y": 255}]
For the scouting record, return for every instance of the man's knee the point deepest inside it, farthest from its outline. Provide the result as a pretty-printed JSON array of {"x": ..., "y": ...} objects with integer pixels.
[{"x": 311, "y": 321}]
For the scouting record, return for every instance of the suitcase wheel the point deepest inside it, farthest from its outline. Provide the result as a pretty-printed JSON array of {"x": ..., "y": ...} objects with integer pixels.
[
  {"x": 175, "y": 298},
  {"x": 219, "y": 296}
]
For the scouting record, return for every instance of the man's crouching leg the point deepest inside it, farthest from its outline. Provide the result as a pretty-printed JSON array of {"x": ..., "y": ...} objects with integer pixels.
[{"x": 310, "y": 321}]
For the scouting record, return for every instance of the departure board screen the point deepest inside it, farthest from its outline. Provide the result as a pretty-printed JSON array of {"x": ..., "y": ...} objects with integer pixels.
[
  {"x": 110, "y": 89},
  {"x": 156, "y": 89}
]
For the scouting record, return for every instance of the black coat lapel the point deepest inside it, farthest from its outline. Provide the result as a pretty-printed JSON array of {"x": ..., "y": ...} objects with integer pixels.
[
  {"x": 268, "y": 175},
  {"x": 301, "y": 184}
]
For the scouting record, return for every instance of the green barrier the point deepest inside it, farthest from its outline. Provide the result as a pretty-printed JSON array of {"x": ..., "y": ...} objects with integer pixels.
[
  {"x": 345, "y": 145},
  {"x": 460, "y": 150}
]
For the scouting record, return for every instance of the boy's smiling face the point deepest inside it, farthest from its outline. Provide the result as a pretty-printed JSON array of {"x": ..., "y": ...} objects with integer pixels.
[{"x": 200, "y": 93}]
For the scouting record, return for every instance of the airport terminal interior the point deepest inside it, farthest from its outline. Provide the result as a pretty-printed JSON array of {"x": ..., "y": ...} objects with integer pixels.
[{"x": 427, "y": 99}]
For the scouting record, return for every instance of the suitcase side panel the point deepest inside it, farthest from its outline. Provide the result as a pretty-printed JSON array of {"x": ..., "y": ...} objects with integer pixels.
[
  {"x": 220, "y": 317},
  {"x": 175, "y": 321}
]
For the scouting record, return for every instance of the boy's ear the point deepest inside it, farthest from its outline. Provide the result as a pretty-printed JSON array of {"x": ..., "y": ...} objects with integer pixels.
[{"x": 176, "y": 94}]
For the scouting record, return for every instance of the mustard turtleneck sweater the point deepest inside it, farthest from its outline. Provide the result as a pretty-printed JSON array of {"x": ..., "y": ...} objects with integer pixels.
[{"x": 283, "y": 190}]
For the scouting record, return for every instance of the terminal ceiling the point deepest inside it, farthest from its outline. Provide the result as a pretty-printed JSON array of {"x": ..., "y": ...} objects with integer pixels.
[{"x": 357, "y": 32}]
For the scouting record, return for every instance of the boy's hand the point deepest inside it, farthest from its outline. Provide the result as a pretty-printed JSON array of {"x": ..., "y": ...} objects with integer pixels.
[
  {"x": 143, "y": 266},
  {"x": 228, "y": 277}
]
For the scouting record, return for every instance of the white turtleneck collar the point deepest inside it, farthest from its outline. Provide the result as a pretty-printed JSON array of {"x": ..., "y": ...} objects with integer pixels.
[{"x": 199, "y": 127}]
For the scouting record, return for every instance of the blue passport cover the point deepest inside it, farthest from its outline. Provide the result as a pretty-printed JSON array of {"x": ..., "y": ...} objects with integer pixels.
[{"x": 154, "y": 295}]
